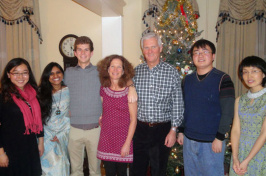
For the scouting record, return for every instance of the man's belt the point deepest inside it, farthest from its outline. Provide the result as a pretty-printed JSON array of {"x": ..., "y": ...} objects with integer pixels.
[{"x": 152, "y": 124}]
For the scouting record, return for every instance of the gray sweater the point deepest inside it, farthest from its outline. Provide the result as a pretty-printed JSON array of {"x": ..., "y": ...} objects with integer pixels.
[{"x": 85, "y": 100}]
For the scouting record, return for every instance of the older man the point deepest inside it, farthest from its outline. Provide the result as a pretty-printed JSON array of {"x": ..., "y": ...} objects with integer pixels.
[{"x": 160, "y": 109}]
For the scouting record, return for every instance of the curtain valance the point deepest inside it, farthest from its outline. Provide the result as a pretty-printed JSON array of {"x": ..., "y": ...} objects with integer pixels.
[
  {"x": 241, "y": 12},
  {"x": 14, "y": 12}
]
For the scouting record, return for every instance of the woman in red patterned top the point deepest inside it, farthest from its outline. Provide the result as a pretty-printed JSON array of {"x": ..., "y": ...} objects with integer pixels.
[{"x": 119, "y": 117}]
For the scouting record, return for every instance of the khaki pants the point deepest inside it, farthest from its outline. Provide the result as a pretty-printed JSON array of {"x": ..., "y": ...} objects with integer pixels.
[{"x": 78, "y": 139}]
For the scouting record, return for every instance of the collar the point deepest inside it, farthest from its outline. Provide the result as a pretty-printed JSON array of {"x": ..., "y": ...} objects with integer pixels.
[
  {"x": 87, "y": 67},
  {"x": 156, "y": 67},
  {"x": 201, "y": 77}
]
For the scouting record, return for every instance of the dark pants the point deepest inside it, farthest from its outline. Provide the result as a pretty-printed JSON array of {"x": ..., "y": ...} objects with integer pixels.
[
  {"x": 113, "y": 168},
  {"x": 149, "y": 148}
]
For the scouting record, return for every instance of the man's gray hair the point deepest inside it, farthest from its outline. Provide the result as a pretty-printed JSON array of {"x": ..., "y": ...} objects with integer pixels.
[{"x": 151, "y": 35}]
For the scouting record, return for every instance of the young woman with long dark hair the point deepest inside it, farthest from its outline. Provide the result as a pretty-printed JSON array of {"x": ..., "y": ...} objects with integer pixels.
[
  {"x": 54, "y": 100},
  {"x": 20, "y": 121}
]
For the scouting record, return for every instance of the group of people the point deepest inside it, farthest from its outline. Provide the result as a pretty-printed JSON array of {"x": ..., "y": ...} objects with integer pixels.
[
  {"x": 37, "y": 135},
  {"x": 123, "y": 115}
]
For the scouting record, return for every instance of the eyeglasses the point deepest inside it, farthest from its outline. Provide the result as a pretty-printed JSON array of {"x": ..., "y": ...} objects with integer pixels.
[
  {"x": 197, "y": 53},
  {"x": 251, "y": 72},
  {"x": 24, "y": 74}
]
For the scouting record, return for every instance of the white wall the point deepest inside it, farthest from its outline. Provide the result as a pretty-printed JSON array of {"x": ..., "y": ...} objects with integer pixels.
[
  {"x": 62, "y": 17},
  {"x": 208, "y": 10},
  {"x": 111, "y": 36},
  {"x": 132, "y": 30}
]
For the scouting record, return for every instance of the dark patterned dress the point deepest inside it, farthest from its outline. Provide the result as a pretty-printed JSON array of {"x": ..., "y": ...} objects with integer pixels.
[
  {"x": 115, "y": 125},
  {"x": 251, "y": 119}
]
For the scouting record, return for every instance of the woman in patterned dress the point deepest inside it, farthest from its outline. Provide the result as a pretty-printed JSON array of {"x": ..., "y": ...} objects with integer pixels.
[
  {"x": 248, "y": 135},
  {"x": 54, "y": 101},
  {"x": 119, "y": 118}
]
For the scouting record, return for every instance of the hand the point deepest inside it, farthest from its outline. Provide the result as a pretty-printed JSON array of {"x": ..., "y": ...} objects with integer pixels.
[
  {"x": 243, "y": 167},
  {"x": 55, "y": 139},
  {"x": 236, "y": 166},
  {"x": 132, "y": 95},
  {"x": 4, "y": 161},
  {"x": 41, "y": 148},
  {"x": 217, "y": 146},
  {"x": 170, "y": 139},
  {"x": 125, "y": 150},
  {"x": 100, "y": 121},
  {"x": 180, "y": 138}
]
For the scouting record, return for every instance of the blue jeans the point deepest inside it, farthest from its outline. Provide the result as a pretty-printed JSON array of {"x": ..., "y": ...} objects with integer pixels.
[{"x": 200, "y": 160}]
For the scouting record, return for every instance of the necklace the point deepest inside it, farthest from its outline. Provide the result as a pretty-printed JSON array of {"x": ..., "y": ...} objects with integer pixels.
[
  {"x": 58, "y": 111},
  {"x": 256, "y": 94},
  {"x": 202, "y": 77}
]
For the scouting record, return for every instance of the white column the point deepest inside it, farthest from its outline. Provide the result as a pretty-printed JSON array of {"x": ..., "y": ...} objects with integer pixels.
[{"x": 111, "y": 36}]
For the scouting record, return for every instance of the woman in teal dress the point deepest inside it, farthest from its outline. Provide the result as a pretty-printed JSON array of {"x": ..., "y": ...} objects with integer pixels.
[
  {"x": 54, "y": 102},
  {"x": 248, "y": 135}
]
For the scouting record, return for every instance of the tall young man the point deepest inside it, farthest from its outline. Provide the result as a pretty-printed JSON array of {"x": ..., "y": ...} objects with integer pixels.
[{"x": 85, "y": 107}]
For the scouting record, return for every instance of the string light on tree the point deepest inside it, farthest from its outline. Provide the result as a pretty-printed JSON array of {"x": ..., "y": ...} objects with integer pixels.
[{"x": 177, "y": 25}]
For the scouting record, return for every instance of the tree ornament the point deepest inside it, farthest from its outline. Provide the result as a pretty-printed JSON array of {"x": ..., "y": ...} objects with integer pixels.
[
  {"x": 186, "y": 70},
  {"x": 174, "y": 149},
  {"x": 177, "y": 170},
  {"x": 175, "y": 42}
]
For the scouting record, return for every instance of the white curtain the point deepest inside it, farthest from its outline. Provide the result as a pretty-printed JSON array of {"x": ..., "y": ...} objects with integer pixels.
[
  {"x": 20, "y": 33},
  {"x": 241, "y": 30}
]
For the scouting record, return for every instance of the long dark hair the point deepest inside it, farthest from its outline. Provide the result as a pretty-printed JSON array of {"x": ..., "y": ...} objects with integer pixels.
[
  {"x": 7, "y": 87},
  {"x": 45, "y": 92}
]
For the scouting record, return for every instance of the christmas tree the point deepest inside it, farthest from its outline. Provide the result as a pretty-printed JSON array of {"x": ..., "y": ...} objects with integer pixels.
[
  {"x": 177, "y": 26},
  {"x": 175, "y": 165}
]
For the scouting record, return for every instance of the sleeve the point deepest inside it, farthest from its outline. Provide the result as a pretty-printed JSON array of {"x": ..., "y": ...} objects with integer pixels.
[
  {"x": 40, "y": 135},
  {"x": 227, "y": 100},
  {"x": 177, "y": 100},
  {"x": 181, "y": 128},
  {"x": 134, "y": 78},
  {"x": 66, "y": 77}
]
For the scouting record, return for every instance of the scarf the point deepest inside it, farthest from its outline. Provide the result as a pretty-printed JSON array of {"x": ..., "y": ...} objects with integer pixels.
[{"x": 32, "y": 118}]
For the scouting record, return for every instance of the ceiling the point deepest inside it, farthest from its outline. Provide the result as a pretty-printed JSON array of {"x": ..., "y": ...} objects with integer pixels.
[{"x": 104, "y": 8}]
